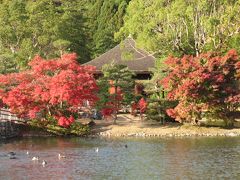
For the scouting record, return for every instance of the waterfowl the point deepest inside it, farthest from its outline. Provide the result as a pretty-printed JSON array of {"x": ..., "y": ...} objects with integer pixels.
[
  {"x": 126, "y": 146},
  {"x": 12, "y": 157},
  {"x": 35, "y": 158},
  {"x": 27, "y": 153},
  {"x": 61, "y": 156},
  {"x": 96, "y": 150},
  {"x": 44, "y": 163},
  {"x": 11, "y": 154}
]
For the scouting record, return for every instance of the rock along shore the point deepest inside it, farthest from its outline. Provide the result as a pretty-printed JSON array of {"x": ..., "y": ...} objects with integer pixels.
[
  {"x": 143, "y": 134},
  {"x": 129, "y": 126},
  {"x": 171, "y": 130}
]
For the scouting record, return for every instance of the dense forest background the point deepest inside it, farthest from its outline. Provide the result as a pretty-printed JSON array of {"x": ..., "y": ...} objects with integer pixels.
[
  {"x": 53, "y": 27},
  {"x": 91, "y": 27}
]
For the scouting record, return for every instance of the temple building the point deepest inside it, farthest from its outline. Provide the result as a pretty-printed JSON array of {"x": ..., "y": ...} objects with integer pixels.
[{"x": 126, "y": 53}]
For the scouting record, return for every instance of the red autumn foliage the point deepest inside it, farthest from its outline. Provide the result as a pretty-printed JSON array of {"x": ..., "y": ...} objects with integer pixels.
[
  {"x": 113, "y": 104},
  {"x": 142, "y": 105},
  {"x": 57, "y": 87},
  {"x": 202, "y": 84},
  {"x": 134, "y": 107},
  {"x": 107, "y": 112}
]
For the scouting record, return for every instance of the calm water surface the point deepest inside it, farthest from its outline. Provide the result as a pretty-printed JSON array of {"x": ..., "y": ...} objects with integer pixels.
[{"x": 188, "y": 158}]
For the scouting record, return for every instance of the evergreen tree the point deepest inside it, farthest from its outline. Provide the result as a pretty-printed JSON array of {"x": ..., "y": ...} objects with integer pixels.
[
  {"x": 117, "y": 79},
  {"x": 73, "y": 29},
  {"x": 48, "y": 28},
  {"x": 107, "y": 18}
]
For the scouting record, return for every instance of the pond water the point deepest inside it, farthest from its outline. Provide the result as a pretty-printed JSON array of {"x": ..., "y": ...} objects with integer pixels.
[{"x": 175, "y": 158}]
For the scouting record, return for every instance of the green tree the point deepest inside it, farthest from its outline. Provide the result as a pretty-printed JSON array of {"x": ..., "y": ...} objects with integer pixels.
[
  {"x": 48, "y": 28},
  {"x": 103, "y": 93},
  {"x": 183, "y": 27},
  {"x": 105, "y": 18},
  {"x": 13, "y": 17},
  {"x": 7, "y": 64},
  {"x": 73, "y": 28},
  {"x": 121, "y": 84}
]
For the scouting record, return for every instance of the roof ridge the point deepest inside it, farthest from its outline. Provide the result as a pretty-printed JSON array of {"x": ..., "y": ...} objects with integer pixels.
[
  {"x": 142, "y": 49},
  {"x": 103, "y": 54},
  {"x": 146, "y": 53},
  {"x": 141, "y": 60},
  {"x": 133, "y": 46}
]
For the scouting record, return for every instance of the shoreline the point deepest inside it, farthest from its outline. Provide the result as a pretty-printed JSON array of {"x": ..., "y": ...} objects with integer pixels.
[
  {"x": 166, "y": 135},
  {"x": 128, "y": 126},
  {"x": 160, "y": 132}
]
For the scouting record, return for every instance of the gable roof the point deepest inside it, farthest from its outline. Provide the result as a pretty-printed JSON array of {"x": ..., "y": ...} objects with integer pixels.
[{"x": 126, "y": 53}]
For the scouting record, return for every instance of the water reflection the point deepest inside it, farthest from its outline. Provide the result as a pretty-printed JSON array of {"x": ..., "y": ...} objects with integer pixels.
[{"x": 190, "y": 158}]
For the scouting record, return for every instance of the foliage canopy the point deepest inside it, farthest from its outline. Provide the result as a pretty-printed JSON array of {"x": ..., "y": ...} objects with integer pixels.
[
  {"x": 203, "y": 85},
  {"x": 55, "y": 88},
  {"x": 183, "y": 27}
]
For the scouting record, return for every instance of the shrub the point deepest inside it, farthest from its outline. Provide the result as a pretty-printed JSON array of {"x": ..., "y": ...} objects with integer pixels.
[
  {"x": 51, "y": 126},
  {"x": 203, "y": 85},
  {"x": 156, "y": 109}
]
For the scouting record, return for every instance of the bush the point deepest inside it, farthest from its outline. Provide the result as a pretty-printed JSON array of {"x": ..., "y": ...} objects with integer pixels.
[
  {"x": 156, "y": 109},
  {"x": 205, "y": 84},
  {"x": 50, "y": 125}
]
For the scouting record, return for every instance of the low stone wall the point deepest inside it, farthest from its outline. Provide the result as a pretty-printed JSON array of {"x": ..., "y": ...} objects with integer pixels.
[{"x": 8, "y": 129}]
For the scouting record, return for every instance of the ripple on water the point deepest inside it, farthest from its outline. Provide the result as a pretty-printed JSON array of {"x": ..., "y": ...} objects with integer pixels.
[{"x": 169, "y": 158}]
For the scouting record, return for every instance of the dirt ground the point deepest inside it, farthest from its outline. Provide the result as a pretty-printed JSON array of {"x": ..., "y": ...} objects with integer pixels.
[{"x": 128, "y": 125}]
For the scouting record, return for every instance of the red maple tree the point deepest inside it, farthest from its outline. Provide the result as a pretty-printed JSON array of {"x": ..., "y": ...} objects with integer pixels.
[
  {"x": 207, "y": 84},
  {"x": 142, "y": 105},
  {"x": 56, "y": 87}
]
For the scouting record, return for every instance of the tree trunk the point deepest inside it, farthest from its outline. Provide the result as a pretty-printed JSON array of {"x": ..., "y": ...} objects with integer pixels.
[
  {"x": 115, "y": 117},
  {"x": 141, "y": 118},
  {"x": 49, "y": 112},
  {"x": 116, "y": 106}
]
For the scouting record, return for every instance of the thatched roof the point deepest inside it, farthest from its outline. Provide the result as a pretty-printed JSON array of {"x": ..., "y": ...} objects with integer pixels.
[{"x": 126, "y": 53}]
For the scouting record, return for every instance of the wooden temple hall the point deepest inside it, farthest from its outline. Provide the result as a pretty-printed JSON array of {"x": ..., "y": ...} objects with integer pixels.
[{"x": 137, "y": 60}]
